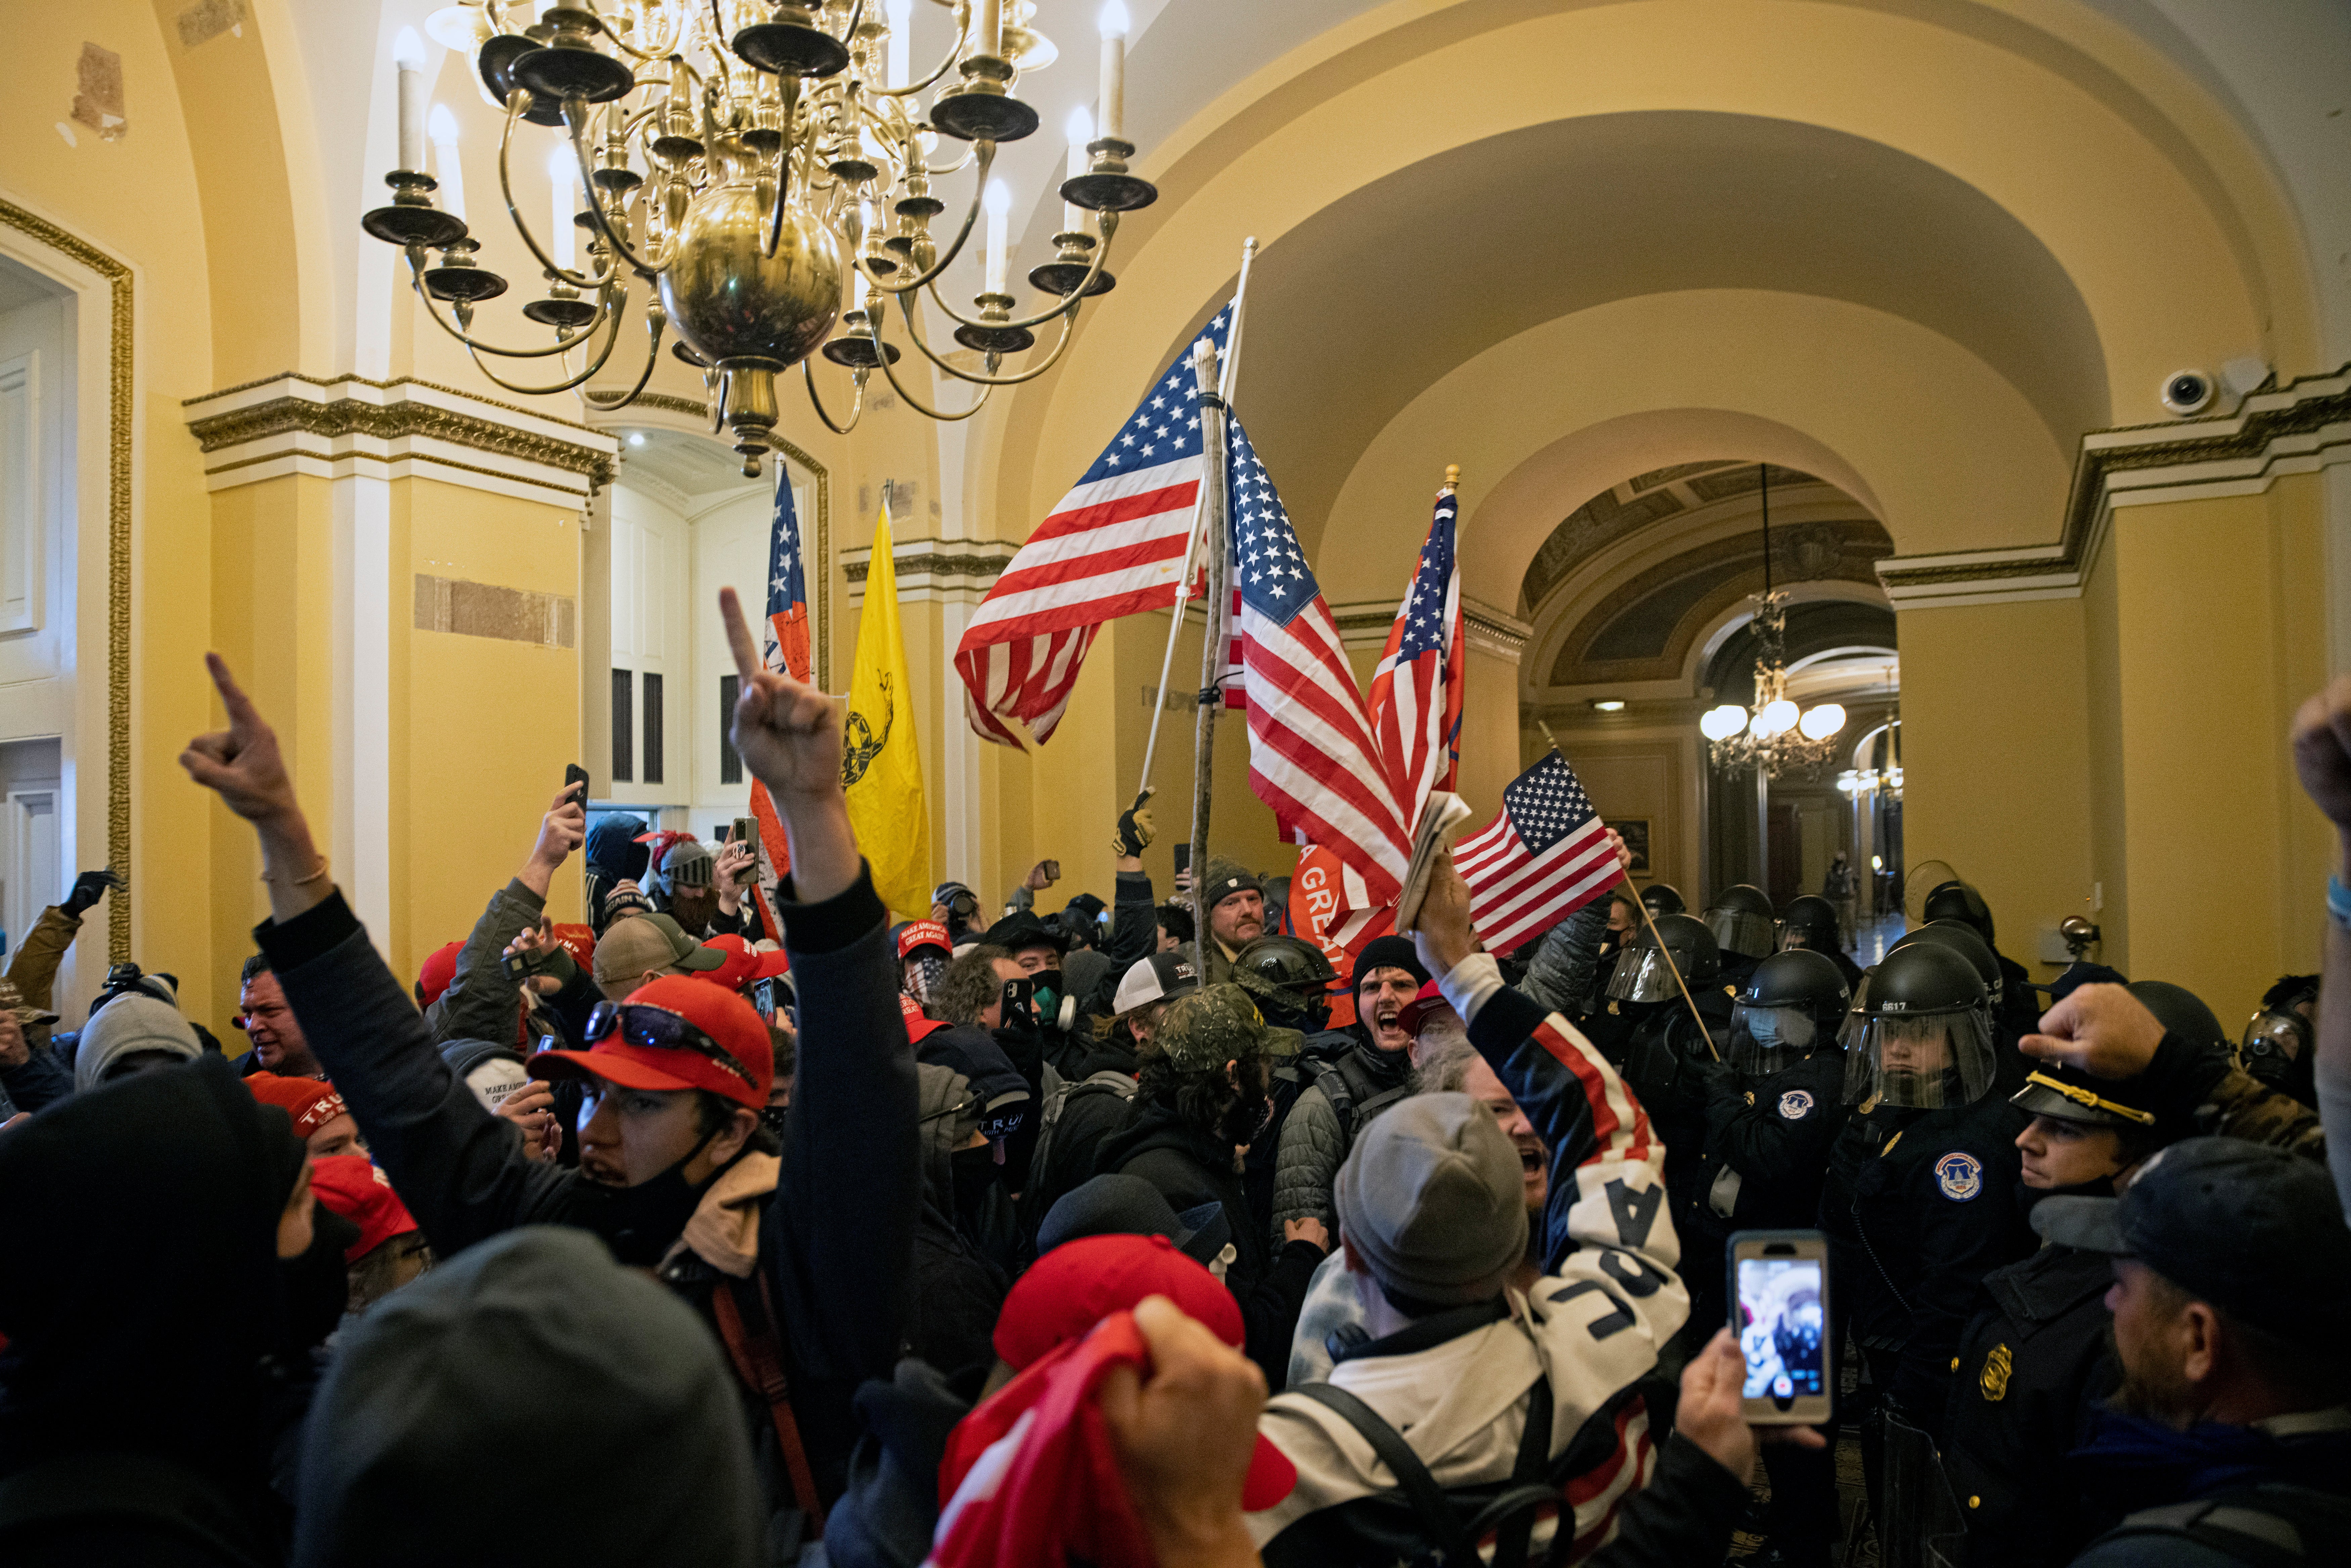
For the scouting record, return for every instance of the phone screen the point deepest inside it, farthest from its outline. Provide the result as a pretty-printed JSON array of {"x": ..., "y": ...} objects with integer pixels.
[{"x": 1781, "y": 1335}]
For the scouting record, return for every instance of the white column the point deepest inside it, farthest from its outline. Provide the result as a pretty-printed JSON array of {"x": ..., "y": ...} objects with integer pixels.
[{"x": 365, "y": 590}]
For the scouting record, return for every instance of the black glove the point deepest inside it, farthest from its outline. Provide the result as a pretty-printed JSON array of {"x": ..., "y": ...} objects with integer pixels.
[
  {"x": 1135, "y": 827},
  {"x": 88, "y": 889}
]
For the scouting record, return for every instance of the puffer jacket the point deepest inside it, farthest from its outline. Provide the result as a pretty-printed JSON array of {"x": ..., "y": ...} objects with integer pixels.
[
  {"x": 1314, "y": 1143},
  {"x": 1560, "y": 976}
]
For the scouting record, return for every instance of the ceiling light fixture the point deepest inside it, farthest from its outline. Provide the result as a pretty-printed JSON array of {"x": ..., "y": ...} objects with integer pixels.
[
  {"x": 1607, "y": 704},
  {"x": 749, "y": 160},
  {"x": 1773, "y": 734}
]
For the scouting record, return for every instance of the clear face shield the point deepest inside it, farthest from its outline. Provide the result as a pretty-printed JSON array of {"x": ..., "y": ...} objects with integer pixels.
[
  {"x": 1925, "y": 1060},
  {"x": 1749, "y": 934},
  {"x": 1856, "y": 1016},
  {"x": 1764, "y": 1040},
  {"x": 1643, "y": 974}
]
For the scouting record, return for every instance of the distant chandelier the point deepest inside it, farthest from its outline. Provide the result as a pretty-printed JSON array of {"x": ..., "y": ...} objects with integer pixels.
[
  {"x": 1771, "y": 736},
  {"x": 750, "y": 159}
]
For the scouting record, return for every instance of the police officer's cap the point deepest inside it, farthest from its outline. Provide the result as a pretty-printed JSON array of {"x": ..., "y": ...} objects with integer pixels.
[{"x": 2069, "y": 1094}]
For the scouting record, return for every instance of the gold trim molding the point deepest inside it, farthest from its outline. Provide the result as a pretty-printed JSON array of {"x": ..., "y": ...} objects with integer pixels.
[
  {"x": 2298, "y": 428},
  {"x": 119, "y": 406},
  {"x": 395, "y": 417}
]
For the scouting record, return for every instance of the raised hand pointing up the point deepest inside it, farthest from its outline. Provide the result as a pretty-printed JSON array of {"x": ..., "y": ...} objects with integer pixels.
[{"x": 789, "y": 736}]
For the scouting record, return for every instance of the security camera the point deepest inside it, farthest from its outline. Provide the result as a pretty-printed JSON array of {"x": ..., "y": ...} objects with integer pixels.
[{"x": 2187, "y": 393}]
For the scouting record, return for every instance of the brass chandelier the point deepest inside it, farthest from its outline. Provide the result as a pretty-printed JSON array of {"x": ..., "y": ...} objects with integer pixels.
[
  {"x": 750, "y": 162},
  {"x": 1771, "y": 736}
]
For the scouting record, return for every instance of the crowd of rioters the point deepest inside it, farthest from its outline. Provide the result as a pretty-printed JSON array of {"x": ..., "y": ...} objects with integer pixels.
[{"x": 725, "y": 1228}]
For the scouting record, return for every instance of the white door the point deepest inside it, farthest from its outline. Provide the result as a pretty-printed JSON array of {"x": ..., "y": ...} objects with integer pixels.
[{"x": 33, "y": 856}]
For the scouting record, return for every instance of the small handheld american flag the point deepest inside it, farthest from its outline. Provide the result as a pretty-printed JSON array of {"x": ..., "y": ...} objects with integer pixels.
[{"x": 1542, "y": 858}]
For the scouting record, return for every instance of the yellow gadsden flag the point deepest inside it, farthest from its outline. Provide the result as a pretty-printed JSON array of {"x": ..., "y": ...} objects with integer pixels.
[{"x": 881, "y": 765}]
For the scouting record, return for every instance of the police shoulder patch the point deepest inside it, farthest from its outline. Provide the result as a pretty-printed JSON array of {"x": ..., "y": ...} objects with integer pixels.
[
  {"x": 1796, "y": 1105},
  {"x": 1959, "y": 1175}
]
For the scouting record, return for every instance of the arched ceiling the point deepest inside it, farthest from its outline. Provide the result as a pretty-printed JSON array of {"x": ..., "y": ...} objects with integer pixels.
[{"x": 1465, "y": 249}]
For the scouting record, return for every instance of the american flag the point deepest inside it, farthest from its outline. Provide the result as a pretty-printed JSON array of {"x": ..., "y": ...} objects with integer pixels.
[
  {"x": 1545, "y": 856},
  {"x": 1417, "y": 690},
  {"x": 1311, "y": 756},
  {"x": 787, "y": 652},
  {"x": 1114, "y": 546}
]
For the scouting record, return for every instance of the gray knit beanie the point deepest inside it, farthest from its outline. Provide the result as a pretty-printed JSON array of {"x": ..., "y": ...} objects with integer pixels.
[
  {"x": 130, "y": 1024},
  {"x": 1433, "y": 1199}
]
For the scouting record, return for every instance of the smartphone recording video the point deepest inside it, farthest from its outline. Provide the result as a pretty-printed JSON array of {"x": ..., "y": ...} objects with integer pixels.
[{"x": 1780, "y": 1290}]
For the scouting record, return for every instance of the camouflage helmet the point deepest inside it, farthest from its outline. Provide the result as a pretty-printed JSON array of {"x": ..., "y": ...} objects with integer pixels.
[{"x": 1202, "y": 1030}]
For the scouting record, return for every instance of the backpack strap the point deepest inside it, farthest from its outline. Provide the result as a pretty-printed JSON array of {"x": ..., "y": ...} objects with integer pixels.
[
  {"x": 2271, "y": 1526},
  {"x": 1419, "y": 1487},
  {"x": 759, "y": 1364},
  {"x": 1511, "y": 1516}
]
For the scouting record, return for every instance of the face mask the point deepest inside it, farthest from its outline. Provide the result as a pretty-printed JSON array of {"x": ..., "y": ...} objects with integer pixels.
[
  {"x": 638, "y": 1223},
  {"x": 773, "y": 1117},
  {"x": 923, "y": 976},
  {"x": 975, "y": 1171},
  {"x": 1049, "y": 994}
]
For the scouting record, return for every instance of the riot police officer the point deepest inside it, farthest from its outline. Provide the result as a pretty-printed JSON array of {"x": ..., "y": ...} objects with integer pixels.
[
  {"x": 1772, "y": 1111},
  {"x": 1962, "y": 940},
  {"x": 2020, "y": 1009},
  {"x": 1662, "y": 1046},
  {"x": 1920, "y": 1200},
  {"x": 1810, "y": 923},
  {"x": 1740, "y": 919}
]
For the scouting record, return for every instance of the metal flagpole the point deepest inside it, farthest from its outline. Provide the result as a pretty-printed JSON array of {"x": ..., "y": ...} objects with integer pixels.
[
  {"x": 1663, "y": 951},
  {"x": 1214, "y": 635},
  {"x": 1199, "y": 507}
]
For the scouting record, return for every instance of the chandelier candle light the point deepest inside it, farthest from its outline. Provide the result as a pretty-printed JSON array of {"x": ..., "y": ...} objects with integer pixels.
[
  {"x": 1772, "y": 736},
  {"x": 760, "y": 166}
]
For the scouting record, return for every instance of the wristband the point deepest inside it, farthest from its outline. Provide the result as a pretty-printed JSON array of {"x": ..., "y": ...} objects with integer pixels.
[{"x": 2338, "y": 904}]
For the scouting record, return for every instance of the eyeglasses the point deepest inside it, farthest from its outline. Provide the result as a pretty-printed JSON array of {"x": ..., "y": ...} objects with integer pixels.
[
  {"x": 656, "y": 1029},
  {"x": 2084, "y": 1097}
]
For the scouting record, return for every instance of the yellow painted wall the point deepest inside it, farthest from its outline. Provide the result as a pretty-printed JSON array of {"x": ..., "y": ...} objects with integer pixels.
[
  {"x": 2216, "y": 624},
  {"x": 1995, "y": 758},
  {"x": 485, "y": 725}
]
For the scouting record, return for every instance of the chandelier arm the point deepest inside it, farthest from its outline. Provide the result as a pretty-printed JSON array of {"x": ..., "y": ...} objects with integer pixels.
[
  {"x": 623, "y": 44},
  {"x": 1030, "y": 374},
  {"x": 416, "y": 281},
  {"x": 856, "y": 405},
  {"x": 1066, "y": 308},
  {"x": 514, "y": 101},
  {"x": 955, "y": 52},
  {"x": 655, "y": 326},
  {"x": 775, "y": 235},
  {"x": 986, "y": 151},
  {"x": 920, "y": 407},
  {"x": 621, "y": 251},
  {"x": 611, "y": 339}
]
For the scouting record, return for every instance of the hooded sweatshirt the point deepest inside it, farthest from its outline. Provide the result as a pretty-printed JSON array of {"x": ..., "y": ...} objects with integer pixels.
[
  {"x": 142, "y": 1297},
  {"x": 464, "y": 1412}
]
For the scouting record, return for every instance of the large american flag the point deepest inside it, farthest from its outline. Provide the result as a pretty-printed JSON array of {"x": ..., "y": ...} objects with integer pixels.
[
  {"x": 1417, "y": 690},
  {"x": 1311, "y": 756},
  {"x": 1114, "y": 546},
  {"x": 787, "y": 652},
  {"x": 1542, "y": 858}
]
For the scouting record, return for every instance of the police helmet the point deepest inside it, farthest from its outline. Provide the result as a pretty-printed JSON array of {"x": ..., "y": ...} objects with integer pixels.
[
  {"x": 1287, "y": 976},
  {"x": 1644, "y": 970},
  {"x": 1792, "y": 1004},
  {"x": 1740, "y": 919},
  {"x": 2180, "y": 1011},
  {"x": 1961, "y": 940},
  {"x": 1925, "y": 1039},
  {"x": 1663, "y": 898},
  {"x": 1955, "y": 900},
  {"x": 1811, "y": 922}
]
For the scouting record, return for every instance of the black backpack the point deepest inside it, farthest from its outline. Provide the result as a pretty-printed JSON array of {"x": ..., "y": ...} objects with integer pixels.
[
  {"x": 1421, "y": 1521},
  {"x": 1045, "y": 1185},
  {"x": 2270, "y": 1526}
]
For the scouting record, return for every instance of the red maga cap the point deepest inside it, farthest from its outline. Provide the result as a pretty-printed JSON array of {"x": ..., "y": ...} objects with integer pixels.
[{"x": 923, "y": 934}]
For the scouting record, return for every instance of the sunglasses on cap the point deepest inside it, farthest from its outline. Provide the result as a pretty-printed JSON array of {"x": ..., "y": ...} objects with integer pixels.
[{"x": 655, "y": 1030}]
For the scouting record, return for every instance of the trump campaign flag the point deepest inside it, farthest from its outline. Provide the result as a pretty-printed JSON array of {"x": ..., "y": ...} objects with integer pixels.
[{"x": 1114, "y": 546}]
